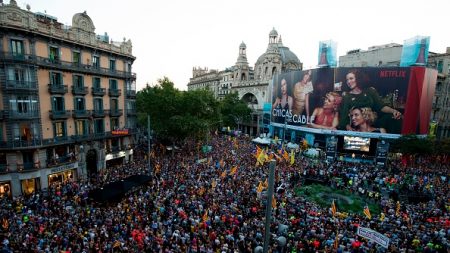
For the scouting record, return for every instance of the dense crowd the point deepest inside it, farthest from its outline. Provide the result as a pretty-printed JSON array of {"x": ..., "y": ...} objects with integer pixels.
[{"x": 216, "y": 206}]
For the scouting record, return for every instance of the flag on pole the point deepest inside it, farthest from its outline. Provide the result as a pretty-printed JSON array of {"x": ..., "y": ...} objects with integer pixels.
[
  {"x": 292, "y": 157},
  {"x": 333, "y": 208},
  {"x": 274, "y": 203},
  {"x": 260, "y": 187},
  {"x": 261, "y": 158},
  {"x": 397, "y": 209},
  {"x": 285, "y": 155},
  {"x": 382, "y": 216},
  {"x": 336, "y": 241},
  {"x": 233, "y": 170},
  {"x": 205, "y": 216},
  {"x": 367, "y": 212}
]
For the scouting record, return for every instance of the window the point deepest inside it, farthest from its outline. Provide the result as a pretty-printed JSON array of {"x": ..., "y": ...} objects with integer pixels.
[
  {"x": 80, "y": 127},
  {"x": 96, "y": 82},
  {"x": 112, "y": 65},
  {"x": 76, "y": 58},
  {"x": 53, "y": 54},
  {"x": 98, "y": 104},
  {"x": 114, "y": 104},
  {"x": 96, "y": 61},
  {"x": 59, "y": 129},
  {"x": 129, "y": 67},
  {"x": 19, "y": 75},
  {"x": 23, "y": 104},
  {"x": 99, "y": 126},
  {"x": 17, "y": 48},
  {"x": 113, "y": 84},
  {"x": 79, "y": 104},
  {"x": 56, "y": 79},
  {"x": 78, "y": 81},
  {"x": 114, "y": 123},
  {"x": 58, "y": 104}
]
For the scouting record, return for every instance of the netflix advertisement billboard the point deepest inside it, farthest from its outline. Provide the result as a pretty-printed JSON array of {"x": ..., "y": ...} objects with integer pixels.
[{"x": 367, "y": 101}]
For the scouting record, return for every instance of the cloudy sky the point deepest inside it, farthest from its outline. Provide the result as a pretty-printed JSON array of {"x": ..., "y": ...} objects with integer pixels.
[{"x": 170, "y": 37}]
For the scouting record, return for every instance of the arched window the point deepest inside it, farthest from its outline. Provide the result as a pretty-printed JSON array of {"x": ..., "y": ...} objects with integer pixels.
[{"x": 274, "y": 70}]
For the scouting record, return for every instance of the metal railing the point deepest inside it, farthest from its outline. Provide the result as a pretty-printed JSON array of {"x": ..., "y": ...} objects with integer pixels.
[
  {"x": 58, "y": 88},
  {"x": 98, "y": 91},
  {"x": 79, "y": 90},
  {"x": 114, "y": 92}
]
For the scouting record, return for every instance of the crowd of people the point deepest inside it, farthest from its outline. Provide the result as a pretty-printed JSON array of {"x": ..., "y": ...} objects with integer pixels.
[{"x": 216, "y": 205}]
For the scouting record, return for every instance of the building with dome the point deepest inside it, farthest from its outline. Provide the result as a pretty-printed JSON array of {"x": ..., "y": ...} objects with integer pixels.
[
  {"x": 251, "y": 83},
  {"x": 67, "y": 100}
]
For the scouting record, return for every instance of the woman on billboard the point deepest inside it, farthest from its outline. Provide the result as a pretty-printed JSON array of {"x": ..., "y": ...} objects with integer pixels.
[
  {"x": 360, "y": 96},
  {"x": 282, "y": 105},
  {"x": 362, "y": 119},
  {"x": 302, "y": 89},
  {"x": 327, "y": 116}
]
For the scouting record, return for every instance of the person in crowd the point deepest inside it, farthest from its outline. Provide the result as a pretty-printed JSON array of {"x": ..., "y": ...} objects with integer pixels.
[
  {"x": 327, "y": 116},
  {"x": 359, "y": 95}
]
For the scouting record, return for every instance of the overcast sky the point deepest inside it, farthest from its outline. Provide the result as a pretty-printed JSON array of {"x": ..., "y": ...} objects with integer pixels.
[{"x": 170, "y": 37}]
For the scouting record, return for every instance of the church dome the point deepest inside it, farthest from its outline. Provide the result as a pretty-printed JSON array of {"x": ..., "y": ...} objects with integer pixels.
[
  {"x": 273, "y": 33},
  {"x": 286, "y": 56}
]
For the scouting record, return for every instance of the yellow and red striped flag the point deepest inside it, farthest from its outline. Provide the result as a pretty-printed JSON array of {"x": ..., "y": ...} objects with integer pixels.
[
  {"x": 367, "y": 212},
  {"x": 233, "y": 170},
  {"x": 205, "y": 216},
  {"x": 274, "y": 203},
  {"x": 260, "y": 187},
  {"x": 333, "y": 208},
  {"x": 224, "y": 174},
  {"x": 292, "y": 157},
  {"x": 285, "y": 155},
  {"x": 336, "y": 241},
  {"x": 397, "y": 209}
]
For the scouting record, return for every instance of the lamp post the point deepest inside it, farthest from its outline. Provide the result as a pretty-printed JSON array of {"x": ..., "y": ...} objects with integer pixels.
[{"x": 269, "y": 205}]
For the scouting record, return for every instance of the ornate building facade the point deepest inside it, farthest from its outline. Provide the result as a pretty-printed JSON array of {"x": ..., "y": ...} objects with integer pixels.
[
  {"x": 67, "y": 100},
  {"x": 251, "y": 83}
]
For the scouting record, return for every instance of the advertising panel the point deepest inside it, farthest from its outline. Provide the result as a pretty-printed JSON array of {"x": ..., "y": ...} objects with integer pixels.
[
  {"x": 367, "y": 100},
  {"x": 415, "y": 51},
  {"x": 327, "y": 54}
]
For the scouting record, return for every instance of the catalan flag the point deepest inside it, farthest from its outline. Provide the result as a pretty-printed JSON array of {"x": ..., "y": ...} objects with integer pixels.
[
  {"x": 292, "y": 157},
  {"x": 233, "y": 170},
  {"x": 274, "y": 202},
  {"x": 285, "y": 155},
  {"x": 382, "y": 216},
  {"x": 336, "y": 241},
  {"x": 367, "y": 212},
  {"x": 260, "y": 187},
  {"x": 224, "y": 174},
  {"x": 213, "y": 184},
  {"x": 205, "y": 216},
  {"x": 266, "y": 183},
  {"x": 397, "y": 209},
  {"x": 261, "y": 157},
  {"x": 333, "y": 208}
]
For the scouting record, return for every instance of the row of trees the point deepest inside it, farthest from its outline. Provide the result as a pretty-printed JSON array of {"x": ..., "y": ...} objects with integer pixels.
[
  {"x": 414, "y": 145},
  {"x": 177, "y": 115}
]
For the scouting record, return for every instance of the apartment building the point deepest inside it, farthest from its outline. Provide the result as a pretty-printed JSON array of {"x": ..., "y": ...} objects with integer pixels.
[{"x": 67, "y": 100}]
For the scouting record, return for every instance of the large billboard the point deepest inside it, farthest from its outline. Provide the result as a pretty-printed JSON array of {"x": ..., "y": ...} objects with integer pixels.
[{"x": 375, "y": 101}]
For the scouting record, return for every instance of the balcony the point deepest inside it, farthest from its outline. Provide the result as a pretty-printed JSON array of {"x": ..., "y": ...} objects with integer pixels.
[
  {"x": 58, "y": 88},
  {"x": 61, "y": 160},
  {"x": 23, "y": 167},
  {"x": 98, "y": 113},
  {"x": 131, "y": 112},
  {"x": 4, "y": 168},
  {"x": 11, "y": 56},
  {"x": 91, "y": 69},
  {"x": 55, "y": 115},
  {"x": 114, "y": 92},
  {"x": 82, "y": 137},
  {"x": 81, "y": 114},
  {"x": 115, "y": 112},
  {"x": 79, "y": 90},
  {"x": 131, "y": 94},
  {"x": 98, "y": 91},
  {"x": 22, "y": 114},
  {"x": 58, "y": 140},
  {"x": 20, "y": 85}
]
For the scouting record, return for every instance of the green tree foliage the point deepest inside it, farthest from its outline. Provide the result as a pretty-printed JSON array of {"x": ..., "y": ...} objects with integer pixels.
[
  {"x": 234, "y": 111},
  {"x": 176, "y": 114},
  {"x": 413, "y": 145}
]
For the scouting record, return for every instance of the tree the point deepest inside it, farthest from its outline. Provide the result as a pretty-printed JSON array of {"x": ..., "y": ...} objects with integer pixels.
[
  {"x": 413, "y": 145},
  {"x": 175, "y": 114},
  {"x": 234, "y": 111}
]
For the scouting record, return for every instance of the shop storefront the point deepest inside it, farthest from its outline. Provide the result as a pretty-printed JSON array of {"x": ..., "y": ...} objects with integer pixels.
[
  {"x": 30, "y": 186},
  {"x": 5, "y": 189},
  {"x": 62, "y": 174}
]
